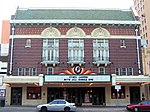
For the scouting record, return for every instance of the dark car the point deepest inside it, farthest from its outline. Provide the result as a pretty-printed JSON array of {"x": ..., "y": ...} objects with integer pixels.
[{"x": 142, "y": 106}]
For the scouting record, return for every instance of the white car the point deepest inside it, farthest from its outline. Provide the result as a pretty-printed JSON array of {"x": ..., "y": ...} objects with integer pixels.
[{"x": 57, "y": 105}]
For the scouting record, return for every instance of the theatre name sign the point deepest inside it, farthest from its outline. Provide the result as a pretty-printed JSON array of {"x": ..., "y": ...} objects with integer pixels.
[{"x": 77, "y": 78}]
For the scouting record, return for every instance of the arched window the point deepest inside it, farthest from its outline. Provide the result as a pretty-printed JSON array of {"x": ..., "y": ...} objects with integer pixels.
[
  {"x": 50, "y": 45},
  {"x": 100, "y": 46},
  {"x": 28, "y": 43}
]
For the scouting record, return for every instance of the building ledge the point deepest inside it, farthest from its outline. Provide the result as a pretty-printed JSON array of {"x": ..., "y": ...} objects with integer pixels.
[
  {"x": 76, "y": 62},
  {"x": 133, "y": 79},
  {"x": 101, "y": 63},
  {"x": 21, "y": 79},
  {"x": 50, "y": 63}
]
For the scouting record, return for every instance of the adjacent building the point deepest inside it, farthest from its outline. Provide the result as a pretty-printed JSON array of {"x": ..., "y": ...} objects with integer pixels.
[
  {"x": 4, "y": 48},
  {"x": 86, "y": 56},
  {"x": 142, "y": 7}
]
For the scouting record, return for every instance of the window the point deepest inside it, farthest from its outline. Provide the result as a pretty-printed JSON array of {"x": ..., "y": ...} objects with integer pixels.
[
  {"x": 50, "y": 70},
  {"x": 100, "y": 50},
  {"x": 118, "y": 95},
  {"x": 28, "y": 43},
  {"x": 102, "y": 70},
  {"x": 122, "y": 44},
  {"x": 118, "y": 71},
  {"x": 61, "y": 102},
  {"x": 124, "y": 71},
  {"x": 20, "y": 71},
  {"x": 130, "y": 71},
  {"x": 33, "y": 92},
  {"x": 76, "y": 50},
  {"x": 50, "y": 50},
  {"x": 26, "y": 71},
  {"x": 34, "y": 71}
]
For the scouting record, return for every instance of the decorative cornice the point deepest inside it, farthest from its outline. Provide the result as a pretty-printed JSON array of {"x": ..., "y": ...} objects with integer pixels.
[
  {"x": 87, "y": 36},
  {"x": 107, "y": 22}
]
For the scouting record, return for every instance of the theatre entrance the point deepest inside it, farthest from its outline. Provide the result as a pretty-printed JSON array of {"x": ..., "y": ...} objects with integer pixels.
[{"x": 79, "y": 96}]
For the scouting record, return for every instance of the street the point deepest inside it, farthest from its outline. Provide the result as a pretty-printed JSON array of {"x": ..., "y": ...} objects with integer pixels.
[{"x": 79, "y": 109}]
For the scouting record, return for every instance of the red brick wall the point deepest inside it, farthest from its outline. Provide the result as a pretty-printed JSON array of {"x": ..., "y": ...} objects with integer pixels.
[
  {"x": 37, "y": 30},
  {"x": 32, "y": 57},
  {"x": 27, "y": 57}
]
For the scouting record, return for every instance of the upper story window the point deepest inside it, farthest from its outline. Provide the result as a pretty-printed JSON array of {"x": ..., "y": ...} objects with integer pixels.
[
  {"x": 26, "y": 71},
  {"x": 100, "y": 46},
  {"x": 124, "y": 71},
  {"x": 76, "y": 50},
  {"x": 20, "y": 71},
  {"x": 50, "y": 70},
  {"x": 118, "y": 71},
  {"x": 102, "y": 70},
  {"x": 50, "y": 45},
  {"x": 28, "y": 43},
  {"x": 100, "y": 50},
  {"x": 130, "y": 71},
  {"x": 34, "y": 71},
  {"x": 50, "y": 50},
  {"x": 122, "y": 44}
]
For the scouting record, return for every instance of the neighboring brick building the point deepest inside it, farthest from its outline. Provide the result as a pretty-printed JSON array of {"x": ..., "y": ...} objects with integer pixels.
[{"x": 76, "y": 54}]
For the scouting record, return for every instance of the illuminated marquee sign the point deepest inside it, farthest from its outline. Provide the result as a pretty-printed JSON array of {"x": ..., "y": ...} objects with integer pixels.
[{"x": 77, "y": 78}]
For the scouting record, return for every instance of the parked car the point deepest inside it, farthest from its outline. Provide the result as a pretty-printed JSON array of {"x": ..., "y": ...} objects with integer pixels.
[
  {"x": 57, "y": 105},
  {"x": 142, "y": 106}
]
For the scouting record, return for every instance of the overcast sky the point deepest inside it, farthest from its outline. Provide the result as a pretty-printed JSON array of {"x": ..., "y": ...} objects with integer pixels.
[{"x": 8, "y": 7}]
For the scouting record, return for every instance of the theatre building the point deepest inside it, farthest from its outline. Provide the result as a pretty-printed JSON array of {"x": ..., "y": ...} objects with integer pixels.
[{"x": 86, "y": 56}]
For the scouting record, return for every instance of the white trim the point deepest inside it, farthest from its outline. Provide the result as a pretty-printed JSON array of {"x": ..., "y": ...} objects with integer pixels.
[
  {"x": 73, "y": 8},
  {"x": 133, "y": 79},
  {"x": 87, "y": 36},
  {"x": 76, "y": 21}
]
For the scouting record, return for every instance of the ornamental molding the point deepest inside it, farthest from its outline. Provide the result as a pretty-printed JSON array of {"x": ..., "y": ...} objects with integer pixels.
[
  {"x": 75, "y": 32},
  {"x": 100, "y": 32},
  {"x": 50, "y": 32}
]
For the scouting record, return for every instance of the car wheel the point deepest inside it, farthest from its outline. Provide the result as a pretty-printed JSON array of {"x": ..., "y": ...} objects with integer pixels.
[
  {"x": 44, "y": 109},
  {"x": 136, "y": 109},
  {"x": 67, "y": 109}
]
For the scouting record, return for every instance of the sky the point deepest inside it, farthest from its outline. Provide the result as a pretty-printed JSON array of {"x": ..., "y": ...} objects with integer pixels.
[{"x": 8, "y": 7}]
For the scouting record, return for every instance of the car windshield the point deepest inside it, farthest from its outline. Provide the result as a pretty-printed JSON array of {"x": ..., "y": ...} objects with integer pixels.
[{"x": 53, "y": 102}]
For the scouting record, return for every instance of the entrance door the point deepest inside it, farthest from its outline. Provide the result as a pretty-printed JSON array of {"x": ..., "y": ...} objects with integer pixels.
[
  {"x": 74, "y": 96},
  {"x": 98, "y": 96},
  {"x": 16, "y": 96},
  {"x": 134, "y": 95},
  {"x": 54, "y": 93}
]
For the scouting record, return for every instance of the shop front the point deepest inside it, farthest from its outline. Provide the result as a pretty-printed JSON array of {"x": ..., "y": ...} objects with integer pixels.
[
  {"x": 80, "y": 89},
  {"x": 79, "y": 96}
]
